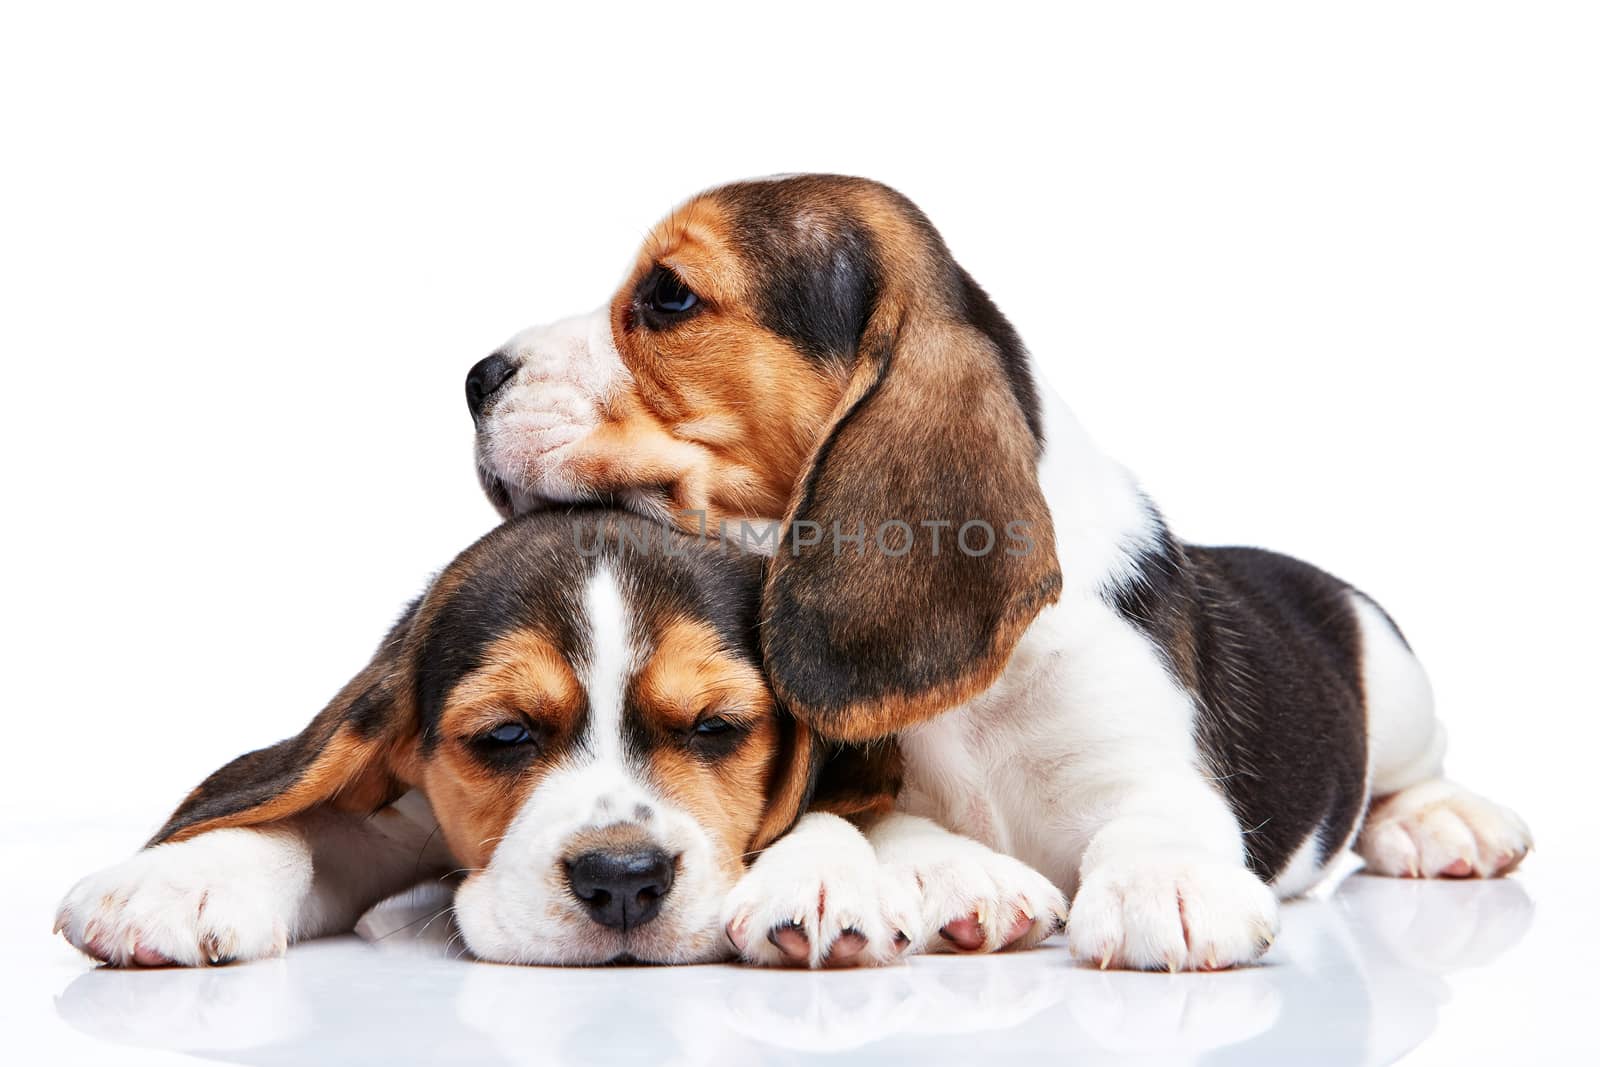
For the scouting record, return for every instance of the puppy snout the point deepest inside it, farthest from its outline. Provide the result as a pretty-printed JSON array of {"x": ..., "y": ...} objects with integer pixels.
[
  {"x": 485, "y": 379},
  {"x": 622, "y": 890}
]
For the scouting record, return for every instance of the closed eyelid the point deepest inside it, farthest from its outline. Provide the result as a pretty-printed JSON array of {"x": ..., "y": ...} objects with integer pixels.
[{"x": 482, "y": 721}]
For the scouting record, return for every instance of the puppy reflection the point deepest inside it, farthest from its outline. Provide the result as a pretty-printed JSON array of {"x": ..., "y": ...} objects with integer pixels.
[{"x": 1360, "y": 983}]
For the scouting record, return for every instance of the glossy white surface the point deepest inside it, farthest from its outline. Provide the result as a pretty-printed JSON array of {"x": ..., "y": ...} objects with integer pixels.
[{"x": 1449, "y": 972}]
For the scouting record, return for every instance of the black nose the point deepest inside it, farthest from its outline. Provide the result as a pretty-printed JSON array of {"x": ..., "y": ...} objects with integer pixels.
[
  {"x": 484, "y": 380},
  {"x": 621, "y": 889}
]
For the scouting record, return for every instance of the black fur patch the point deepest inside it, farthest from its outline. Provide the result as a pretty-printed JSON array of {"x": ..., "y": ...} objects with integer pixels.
[
  {"x": 1271, "y": 650},
  {"x": 858, "y": 780},
  {"x": 526, "y": 574},
  {"x": 978, "y": 309},
  {"x": 817, "y": 269},
  {"x": 820, "y": 274},
  {"x": 530, "y": 574}
]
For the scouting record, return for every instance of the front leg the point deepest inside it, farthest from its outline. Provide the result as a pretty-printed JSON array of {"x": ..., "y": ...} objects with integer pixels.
[
  {"x": 246, "y": 893},
  {"x": 974, "y": 899},
  {"x": 1163, "y": 884}
]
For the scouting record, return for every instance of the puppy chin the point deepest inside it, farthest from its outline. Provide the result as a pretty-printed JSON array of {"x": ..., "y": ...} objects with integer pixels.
[
  {"x": 502, "y": 926},
  {"x": 498, "y": 492},
  {"x": 513, "y": 495}
]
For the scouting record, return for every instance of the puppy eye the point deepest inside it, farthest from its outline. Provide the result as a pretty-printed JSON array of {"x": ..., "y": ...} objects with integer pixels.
[
  {"x": 509, "y": 733},
  {"x": 667, "y": 295},
  {"x": 508, "y": 747},
  {"x": 713, "y": 727},
  {"x": 714, "y": 737}
]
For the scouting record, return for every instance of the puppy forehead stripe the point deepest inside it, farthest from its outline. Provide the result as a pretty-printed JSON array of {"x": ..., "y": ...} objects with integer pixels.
[{"x": 611, "y": 661}]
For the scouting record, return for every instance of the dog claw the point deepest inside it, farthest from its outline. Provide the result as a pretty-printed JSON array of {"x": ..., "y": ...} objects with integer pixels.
[{"x": 738, "y": 932}]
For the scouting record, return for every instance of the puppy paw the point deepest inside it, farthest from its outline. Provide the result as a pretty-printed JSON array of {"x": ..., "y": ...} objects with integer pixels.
[
  {"x": 223, "y": 896},
  {"x": 1437, "y": 829},
  {"x": 981, "y": 901},
  {"x": 818, "y": 897},
  {"x": 974, "y": 899},
  {"x": 1172, "y": 913}
]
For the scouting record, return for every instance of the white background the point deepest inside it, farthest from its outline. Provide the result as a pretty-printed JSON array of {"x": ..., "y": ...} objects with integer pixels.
[{"x": 1325, "y": 277}]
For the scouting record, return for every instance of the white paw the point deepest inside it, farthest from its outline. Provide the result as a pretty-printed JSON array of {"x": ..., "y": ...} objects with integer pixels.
[
  {"x": 1166, "y": 911},
  {"x": 983, "y": 901},
  {"x": 974, "y": 899},
  {"x": 1437, "y": 829},
  {"x": 223, "y": 896},
  {"x": 818, "y": 897}
]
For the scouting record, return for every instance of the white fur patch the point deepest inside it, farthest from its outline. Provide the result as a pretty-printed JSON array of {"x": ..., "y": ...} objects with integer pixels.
[
  {"x": 224, "y": 895},
  {"x": 1303, "y": 870},
  {"x": 567, "y": 373},
  {"x": 1171, "y": 909},
  {"x": 1405, "y": 742},
  {"x": 812, "y": 890},
  {"x": 1003, "y": 900},
  {"x": 1438, "y": 829},
  {"x": 241, "y": 894},
  {"x": 611, "y": 662}
]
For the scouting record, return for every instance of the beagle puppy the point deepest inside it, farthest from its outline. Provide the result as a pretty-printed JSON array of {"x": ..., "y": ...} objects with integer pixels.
[
  {"x": 1178, "y": 736},
  {"x": 574, "y": 716}
]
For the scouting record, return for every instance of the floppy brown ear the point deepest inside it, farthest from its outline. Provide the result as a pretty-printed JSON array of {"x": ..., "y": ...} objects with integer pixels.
[
  {"x": 789, "y": 788},
  {"x": 858, "y": 781},
  {"x": 854, "y": 781},
  {"x": 933, "y": 428},
  {"x": 344, "y": 758}
]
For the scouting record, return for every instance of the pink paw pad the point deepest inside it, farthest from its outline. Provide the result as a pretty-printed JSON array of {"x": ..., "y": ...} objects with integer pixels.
[
  {"x": 791, "y": 940},
  {"x": 846, "y": 949},
  {"x": 147, "y": 957},
  {"x": 966, "y": 933},
  {"x": 1019, "y": 929}
]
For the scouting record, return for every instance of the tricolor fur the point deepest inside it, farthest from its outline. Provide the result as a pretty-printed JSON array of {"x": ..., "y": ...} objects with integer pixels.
[
  {"x": 1177, "y": 735},
  {"x": 572, "y": 717},
  {"x": 576, "y": 723}
]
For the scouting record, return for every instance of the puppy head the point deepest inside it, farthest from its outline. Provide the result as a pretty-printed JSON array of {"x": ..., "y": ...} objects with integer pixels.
[
  {"x": 805, "y": 349},
  {"x": 581, "y": 703},
  {"x": 598, "y": 740},
  {"x": 706, "y": 380}
]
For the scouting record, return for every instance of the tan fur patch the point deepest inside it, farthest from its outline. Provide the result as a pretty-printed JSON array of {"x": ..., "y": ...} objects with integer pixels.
[
  {"x": 721, "y": 412},
  {"x": 522, "y": 676},
  {"x": 688, "y": 677},
  {"x": 619, "y": 837}
]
